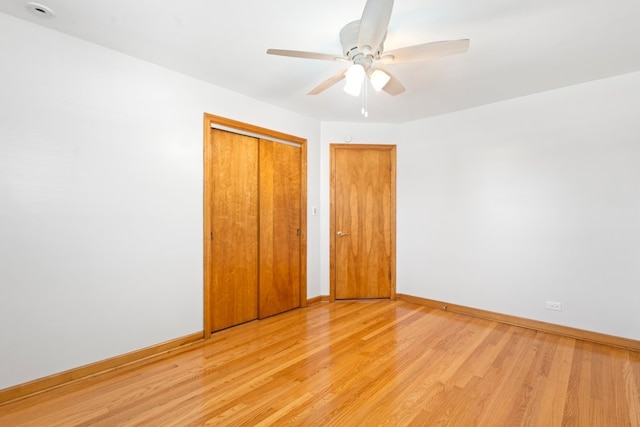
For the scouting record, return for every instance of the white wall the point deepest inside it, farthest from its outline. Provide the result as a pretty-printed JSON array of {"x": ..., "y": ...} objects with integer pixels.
[
  {"x": 535, "y": 199},
  {"x": 101, "y": 200}
]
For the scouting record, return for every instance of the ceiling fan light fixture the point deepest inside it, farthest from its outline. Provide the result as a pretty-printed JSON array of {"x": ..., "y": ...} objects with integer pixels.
[
  {"x": 379, "y": 79},
  {"x": 355, "y": 77}
]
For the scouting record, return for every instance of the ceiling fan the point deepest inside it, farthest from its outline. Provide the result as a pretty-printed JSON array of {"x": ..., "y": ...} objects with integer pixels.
[{"x": 363, "y": 45}]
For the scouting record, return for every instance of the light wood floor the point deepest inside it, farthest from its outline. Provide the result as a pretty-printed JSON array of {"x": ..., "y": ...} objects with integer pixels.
[{"x": 359, "y": 364}]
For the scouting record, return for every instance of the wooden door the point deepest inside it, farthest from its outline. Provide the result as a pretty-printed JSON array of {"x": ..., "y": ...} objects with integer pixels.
[
  {"x": 363, "y": 221},
  {"x": 280, "y": 227},
  {"x": 234, "y": 227}
]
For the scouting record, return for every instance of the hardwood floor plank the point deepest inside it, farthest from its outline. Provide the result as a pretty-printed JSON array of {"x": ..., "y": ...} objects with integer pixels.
[
  {"x": 498, "y": 407},
  {"x": 357, "y": 363},
  {"x": 632, "y": 387},
  {"x": 579, "y": 387},
  {"x": 549, "y": 384}
]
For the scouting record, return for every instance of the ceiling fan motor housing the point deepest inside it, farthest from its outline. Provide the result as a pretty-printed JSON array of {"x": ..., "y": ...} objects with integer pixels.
[{"x": 349, "y": 41}]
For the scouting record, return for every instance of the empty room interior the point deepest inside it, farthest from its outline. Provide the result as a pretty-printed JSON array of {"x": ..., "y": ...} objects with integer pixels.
[{"x": 358, "y": 213}]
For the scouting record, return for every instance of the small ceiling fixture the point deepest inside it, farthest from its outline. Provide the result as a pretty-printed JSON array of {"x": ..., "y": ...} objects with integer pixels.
[{"x": 40, "y": 10}]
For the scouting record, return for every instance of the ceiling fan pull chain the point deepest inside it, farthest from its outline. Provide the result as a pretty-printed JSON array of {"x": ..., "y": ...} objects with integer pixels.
[
  {"x": 365, "y": 111},
  {"x": 362, "y": 102}
]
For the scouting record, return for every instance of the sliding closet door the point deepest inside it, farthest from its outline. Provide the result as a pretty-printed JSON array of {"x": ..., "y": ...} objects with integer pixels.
[
  {"x": 234, "y": 240},
  {"x": 280, "y": 227},
  {"x": 254, "y": 224}
]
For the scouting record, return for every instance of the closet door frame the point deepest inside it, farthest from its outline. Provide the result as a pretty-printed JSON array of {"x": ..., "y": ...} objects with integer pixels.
[{"x": 212, "y": 121}]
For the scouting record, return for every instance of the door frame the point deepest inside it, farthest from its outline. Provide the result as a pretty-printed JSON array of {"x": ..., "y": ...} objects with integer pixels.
[
  {"x": 212, "y": 121},
  {"x": 332, "y": 213}
]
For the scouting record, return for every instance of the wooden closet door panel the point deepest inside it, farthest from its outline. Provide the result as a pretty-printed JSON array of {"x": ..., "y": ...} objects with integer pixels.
[
  {"x": 280, "y": 215},
  {"x": 234, "y": 277}
]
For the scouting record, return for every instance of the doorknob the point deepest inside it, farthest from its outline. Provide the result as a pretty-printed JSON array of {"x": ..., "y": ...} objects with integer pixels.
[{"x": 341, "y": 234}]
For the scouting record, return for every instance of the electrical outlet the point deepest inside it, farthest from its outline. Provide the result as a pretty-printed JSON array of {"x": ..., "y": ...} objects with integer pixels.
[{"x": 551, "y": 305}]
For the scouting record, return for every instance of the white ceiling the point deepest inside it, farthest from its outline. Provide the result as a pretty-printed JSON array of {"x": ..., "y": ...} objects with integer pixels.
[{"x": 517, "y": 47}]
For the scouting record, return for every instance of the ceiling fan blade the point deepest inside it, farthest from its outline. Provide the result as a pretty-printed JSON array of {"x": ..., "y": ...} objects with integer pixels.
[
  {"x": 306, "y": 55},
  {"x": 328, "y": 83},
  {"x": 425, "y": 51},
  {"x": 373, "y": 25},
  {"x": 393, "y": 87}
]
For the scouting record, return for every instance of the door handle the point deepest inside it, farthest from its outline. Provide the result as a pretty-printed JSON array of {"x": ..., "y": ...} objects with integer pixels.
[{"x": 341, "y": 234}]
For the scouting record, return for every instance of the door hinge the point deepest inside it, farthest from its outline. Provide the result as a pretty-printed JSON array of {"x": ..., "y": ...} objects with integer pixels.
[
  {"x": 211, "y": 236},
  {"x": 298, "y": 232},
  {"x": 391, "y": 167}
]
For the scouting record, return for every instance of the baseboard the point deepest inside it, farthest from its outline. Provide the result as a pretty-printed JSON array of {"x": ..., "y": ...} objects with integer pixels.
[
  {"x": 134, "y": 358},
  {"x": 315, "y": 300},
  {"x": 596, "y": 337}
]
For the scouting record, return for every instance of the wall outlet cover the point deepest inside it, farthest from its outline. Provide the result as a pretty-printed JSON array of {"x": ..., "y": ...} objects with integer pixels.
[{"x": 552, "y": 305}]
